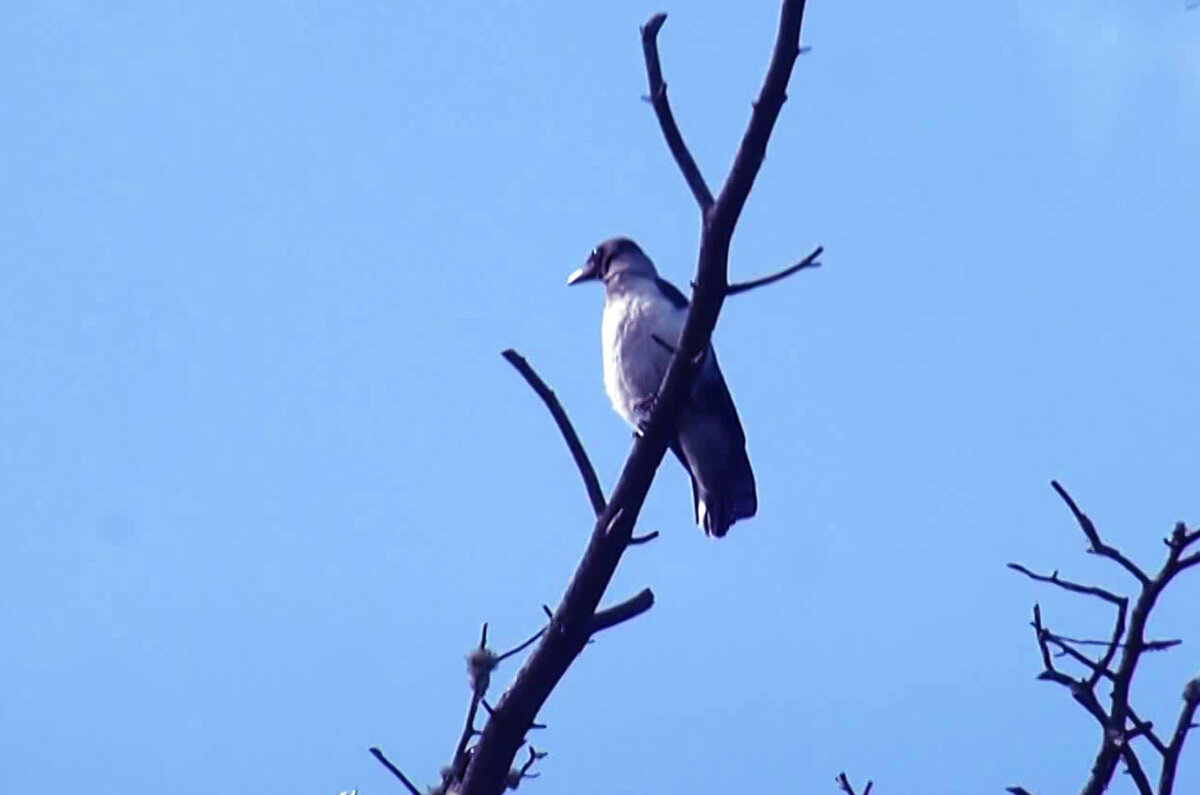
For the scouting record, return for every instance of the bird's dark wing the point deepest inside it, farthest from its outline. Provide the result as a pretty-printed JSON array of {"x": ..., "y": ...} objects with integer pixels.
[
  {"x": 711, "y": 396},
  {"x": 677, "y": 449},
  {"x": 671, "y": 293}
]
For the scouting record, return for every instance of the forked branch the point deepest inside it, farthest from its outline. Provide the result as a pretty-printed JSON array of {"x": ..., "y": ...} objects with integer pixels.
[
  {"x": 574, "y": 621},
  {"x": 1119, "y": 723}
]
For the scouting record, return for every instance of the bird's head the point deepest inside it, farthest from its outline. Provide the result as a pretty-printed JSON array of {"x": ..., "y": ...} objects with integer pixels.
[{"x": 613, "y": 257}]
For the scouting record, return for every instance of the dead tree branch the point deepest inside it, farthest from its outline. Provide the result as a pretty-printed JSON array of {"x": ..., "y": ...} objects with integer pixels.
[
  {"x": 395, "y": 771},
  {"x": 590, "y": 481},
  {"x": 574, "y": 619},
  {"x": 1119, "y": 723},
  {"x": 620, "y": 613},
  {"x": 808, "y": 262},
  {"x": 666, "y": 120},
  {"x": 843, "y": 784},
  {"x": 1187, "y": 715},
  {"x": 1098, "y": 547}
]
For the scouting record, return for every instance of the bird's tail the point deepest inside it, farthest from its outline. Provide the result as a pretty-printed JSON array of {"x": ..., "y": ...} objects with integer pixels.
[{"x": 735, "y": 498}]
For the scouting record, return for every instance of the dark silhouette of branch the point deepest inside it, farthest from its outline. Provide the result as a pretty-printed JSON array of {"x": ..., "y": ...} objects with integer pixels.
[
  {"x": 808, "y": 262},
  {"x": 666, "y": 120},
  {"x": 1191, "y": 700},
  {"x": 620, "y": 613},
  {"x": 1120, "y": 724},
  {"x": 590, "y": 481},
  {"x": 1150, "y": 645},
  {"x": 573, "y": 622},
  {"x": 518, "y": 649},
  {"x": 1054, "y": 579},
  {"x": 844, "y": 785},
  {"x": 517, "y": 775},
  {"x": 1098, "y": 547},
  {"x": 644, "y": 539},
  {"x": 395, "y": 771},
  {"x": 480, "y": 664}
]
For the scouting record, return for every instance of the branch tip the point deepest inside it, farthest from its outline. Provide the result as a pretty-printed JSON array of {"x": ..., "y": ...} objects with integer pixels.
[
  {"x": 395, "y": 771},
  {"x": 590, "y": 481}
]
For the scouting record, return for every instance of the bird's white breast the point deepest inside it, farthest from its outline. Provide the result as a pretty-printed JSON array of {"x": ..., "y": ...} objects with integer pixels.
[{"x": 634, "y": 362}]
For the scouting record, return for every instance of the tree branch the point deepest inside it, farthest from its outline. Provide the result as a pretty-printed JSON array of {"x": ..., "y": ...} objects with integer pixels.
[
  {"x": 1191, "y": 700},
  {"x": 395, "y": 771},
  {"x": 808, "y": 262},
  {"x": 1134, "y": 766},
  {"x": 1130, "y": 641},
  {"x": 620, "y": 613},
  {"x": 590, "y": 481},
  {"x": 1067, "y": 585},
  {"x": 1098, "y": 547},
  {"x": 844, "y": 785},
  {"x": 666, "y": 120},
  {"x": 572, "y": 625}
]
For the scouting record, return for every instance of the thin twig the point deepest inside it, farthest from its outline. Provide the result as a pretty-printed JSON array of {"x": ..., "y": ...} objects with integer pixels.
[
  {"x": 590, "y": 481},
  {"x": 1098, "y": 547},
  {"x": 844, "y": 785},
  {"x": 1134, "y": 767},
  {"x": 666, "y": 120},
  {"x": 1081, "y": 691},
  {"x": 479, "y": 685},
  {"x": 620, "y": 613},
  {"x": 1145, "y": 728},
  {"x": 395, "y": 771},
  {"x": 1191, "y": 700},
  {"x": 635, "y": 540},
  {"x": 1074, "y": 587},
  {"x": 808, "y": 262},
  {"x": 515, "y": 776},
  {"x": 1150, "y": 645},
  {"x": 520, "y": 648}
]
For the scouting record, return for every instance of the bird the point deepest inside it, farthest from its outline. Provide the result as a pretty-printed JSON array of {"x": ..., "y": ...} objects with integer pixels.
[{"x": 643, "y": 319}]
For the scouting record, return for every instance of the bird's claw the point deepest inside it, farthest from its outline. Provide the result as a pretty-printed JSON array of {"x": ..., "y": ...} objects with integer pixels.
[{"x": 644, "y": 407}]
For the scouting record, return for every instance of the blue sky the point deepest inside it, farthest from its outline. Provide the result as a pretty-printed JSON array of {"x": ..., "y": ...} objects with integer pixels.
[{"x": 265, "y": 472}]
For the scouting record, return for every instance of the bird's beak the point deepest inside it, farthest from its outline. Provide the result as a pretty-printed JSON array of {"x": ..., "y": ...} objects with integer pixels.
[{"x": 588, "y": 271}]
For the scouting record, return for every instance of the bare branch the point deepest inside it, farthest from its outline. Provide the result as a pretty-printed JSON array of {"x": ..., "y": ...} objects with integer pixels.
[
  {"x": 648, "y": 537},
  {"x": 1191, "y": 700},
  {"x": 1134, "y": 766},
  {"x": 501, "y": 658},
  {"x": 1098, "y": 547},
  {"x": 516, "y": 776},
  {"x": 1081, "y": 691},
  {"x": 808, "y": 262},
  {"x": 666, "y": 120},
  {"x": 844, "y": 785},
  {"x": 590, "y": 481},
  {"x": 620, "y": 613},
  {"x": 753, "y": 148},
  {"x": 572, "y": 624},
  {"x": 1054, "y": 579},
  {"x": 1145, "y": 728},
  {"x": 1150, "y": 645},
  {"x": 395, "y": 771},
  {"x": 1114, "y": 644}
]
